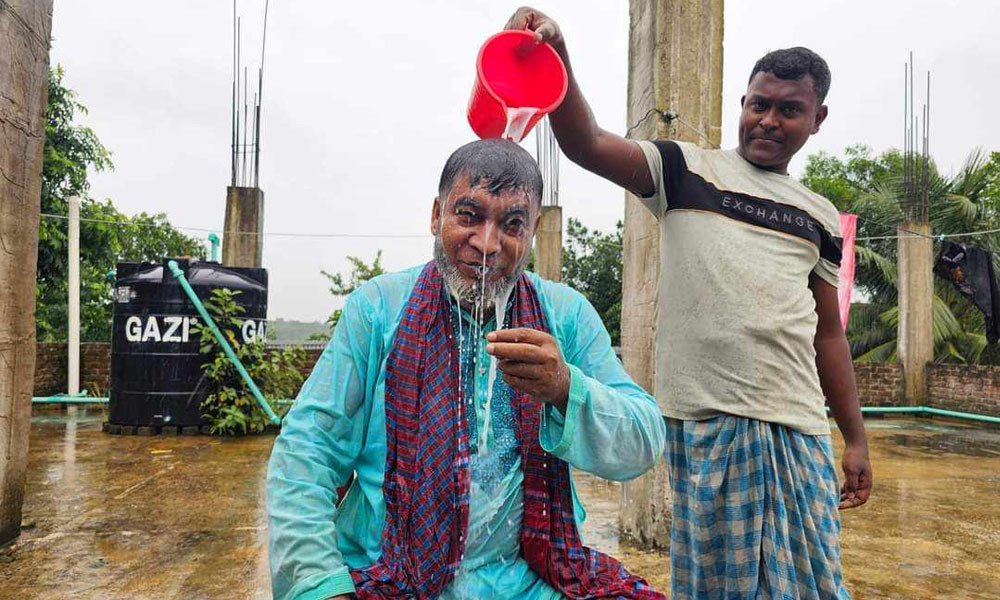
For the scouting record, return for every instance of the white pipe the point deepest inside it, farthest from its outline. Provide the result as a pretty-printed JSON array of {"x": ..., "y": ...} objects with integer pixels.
[{"x": 73, "y": 371}]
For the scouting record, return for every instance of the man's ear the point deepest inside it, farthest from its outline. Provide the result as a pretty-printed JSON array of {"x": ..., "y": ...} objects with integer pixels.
[
  {"x": 743, "y": 99},
  {"x": 821, "y": 113},
  {"x": 436, "y": 216}
]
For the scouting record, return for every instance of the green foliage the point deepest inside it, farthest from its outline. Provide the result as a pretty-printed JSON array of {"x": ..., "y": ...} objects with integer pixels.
[
  {"x": 70, "y": 152},
  {"x": 592, "y": 264},
  {"x": 871, "y": 187},
  {"x": 230, "y": 408},
  {"x": 360, "y": 273}
]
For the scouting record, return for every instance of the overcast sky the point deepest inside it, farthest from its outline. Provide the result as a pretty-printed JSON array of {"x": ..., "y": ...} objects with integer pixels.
[{"x": 363, "y": 102}]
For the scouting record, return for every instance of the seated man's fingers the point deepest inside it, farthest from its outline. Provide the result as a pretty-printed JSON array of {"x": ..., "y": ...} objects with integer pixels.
[
  {"x": 525, "y": 386},
  {"x": 515, "y": 352},
  {"x": 520, "y": 369},
  {"x": 519, "y": 335}
]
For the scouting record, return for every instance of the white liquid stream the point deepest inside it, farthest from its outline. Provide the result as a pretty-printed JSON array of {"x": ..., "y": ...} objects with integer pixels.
[
  {"x": 500, "y": 308},
  {"x": 517, "y": 122}
]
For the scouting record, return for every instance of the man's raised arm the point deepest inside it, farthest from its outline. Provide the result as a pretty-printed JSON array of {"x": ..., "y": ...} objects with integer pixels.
[{"x": 611, "y": 156}]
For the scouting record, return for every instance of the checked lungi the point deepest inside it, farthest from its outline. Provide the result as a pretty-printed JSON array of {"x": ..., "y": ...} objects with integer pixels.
[{"x": 755, "y": 512}]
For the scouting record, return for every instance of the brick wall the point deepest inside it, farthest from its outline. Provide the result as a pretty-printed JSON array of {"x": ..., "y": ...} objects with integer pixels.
[
  {"x": 50, "y": 368},
  {"x": 95, "y": 368},
  {"x": 879, "y": 384},
  {"x": 971, "y": 389},
  {"x": 964, "y": 388}
]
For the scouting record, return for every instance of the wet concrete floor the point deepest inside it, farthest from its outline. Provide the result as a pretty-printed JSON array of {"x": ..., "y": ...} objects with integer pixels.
[{"x": 182, "y": 517}]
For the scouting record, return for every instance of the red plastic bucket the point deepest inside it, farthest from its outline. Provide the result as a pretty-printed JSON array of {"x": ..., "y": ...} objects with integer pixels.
[{"x": 513, "y": 72}]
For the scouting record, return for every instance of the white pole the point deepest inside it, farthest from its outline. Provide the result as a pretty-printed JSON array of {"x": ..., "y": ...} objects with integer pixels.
[{"x": 73, "y": 371}]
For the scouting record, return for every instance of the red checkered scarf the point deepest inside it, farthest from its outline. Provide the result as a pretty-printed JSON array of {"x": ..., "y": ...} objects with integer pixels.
[{"x": 426, "y": 485}]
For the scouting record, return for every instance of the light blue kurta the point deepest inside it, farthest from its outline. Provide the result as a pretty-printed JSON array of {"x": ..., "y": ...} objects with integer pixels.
[{"x": 612, "y": 428}]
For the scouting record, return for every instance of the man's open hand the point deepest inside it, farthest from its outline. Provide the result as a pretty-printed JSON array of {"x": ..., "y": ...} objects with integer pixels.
[{"x": 531, "y": 364}]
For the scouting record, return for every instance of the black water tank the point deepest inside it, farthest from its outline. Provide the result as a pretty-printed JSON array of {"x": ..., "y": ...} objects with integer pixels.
[{"x": 156, "y": 376}]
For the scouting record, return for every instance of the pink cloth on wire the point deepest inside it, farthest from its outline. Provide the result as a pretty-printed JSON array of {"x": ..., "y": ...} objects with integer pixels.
[{"x": 848, "y": 231}]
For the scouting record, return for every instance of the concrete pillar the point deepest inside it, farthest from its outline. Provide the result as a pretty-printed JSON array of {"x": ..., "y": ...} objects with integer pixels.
[
  {"x": 243, "y": 240},
  {"x": 25, "y": 30},
  {"x": 916, "y": 308},
  {"x": 675, "y": 63},
  {"x": 548, "y": 244}
]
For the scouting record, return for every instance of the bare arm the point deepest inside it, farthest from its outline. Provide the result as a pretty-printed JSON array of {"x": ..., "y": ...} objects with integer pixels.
[
  {"x": 836, "y": 376},
  {"x": 611, "y": 156}
]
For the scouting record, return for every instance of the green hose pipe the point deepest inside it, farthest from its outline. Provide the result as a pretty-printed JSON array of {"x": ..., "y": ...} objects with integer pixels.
[
  {"x": 69, "y": 400},
  {"x": 176, "y": 271},
  {"x": 215, "y": 246}
]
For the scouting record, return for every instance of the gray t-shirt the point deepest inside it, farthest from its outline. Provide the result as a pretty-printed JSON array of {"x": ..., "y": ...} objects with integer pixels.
[{"x": 736, "y": 318}]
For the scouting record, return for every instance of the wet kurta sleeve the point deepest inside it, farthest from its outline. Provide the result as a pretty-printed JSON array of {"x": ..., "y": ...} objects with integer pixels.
[
  {"x": 320, "y": 440},
  {"x": 612, "y": 427}
]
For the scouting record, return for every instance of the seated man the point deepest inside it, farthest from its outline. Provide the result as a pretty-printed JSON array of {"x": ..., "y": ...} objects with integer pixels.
[{"x": 462, "y": 486}]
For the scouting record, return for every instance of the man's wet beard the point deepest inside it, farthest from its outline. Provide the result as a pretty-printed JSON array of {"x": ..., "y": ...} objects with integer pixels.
[{"x": 473, "y": 294}]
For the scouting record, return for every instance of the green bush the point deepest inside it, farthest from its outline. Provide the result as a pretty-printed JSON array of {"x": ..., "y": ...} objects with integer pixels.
[{"x": 230, "y": 408}]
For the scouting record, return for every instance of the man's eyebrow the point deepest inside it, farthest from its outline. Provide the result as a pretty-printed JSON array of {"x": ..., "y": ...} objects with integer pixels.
[
  {"x": 466, "y": 202},
  {"x": 516, "y": 211}
]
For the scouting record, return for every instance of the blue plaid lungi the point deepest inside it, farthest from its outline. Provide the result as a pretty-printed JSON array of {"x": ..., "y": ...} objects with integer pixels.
[{"x": 755, "y": 512}]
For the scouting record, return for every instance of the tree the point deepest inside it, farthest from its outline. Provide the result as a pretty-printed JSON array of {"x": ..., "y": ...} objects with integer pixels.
[
  {"x": 106, "y": 235},
  {"x": 592, "y": 264},
  {"x": 360, "y": 273},
  {"x": 871, "y": 187}
]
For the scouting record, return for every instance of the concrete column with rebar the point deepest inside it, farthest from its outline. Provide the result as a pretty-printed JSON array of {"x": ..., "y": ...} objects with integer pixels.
[
  {"x": 548, "y": 244},
  {"x": 243, "y": 239},
  {"x": 916, "y": 308},
  {"x": 675, "y": 64}
]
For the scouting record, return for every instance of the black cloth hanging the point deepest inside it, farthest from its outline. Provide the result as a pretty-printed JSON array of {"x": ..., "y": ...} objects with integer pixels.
[{"x": 971, "y": 271}]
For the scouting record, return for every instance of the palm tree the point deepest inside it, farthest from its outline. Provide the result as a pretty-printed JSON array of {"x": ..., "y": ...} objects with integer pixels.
[{"x": 871, "y": 187}]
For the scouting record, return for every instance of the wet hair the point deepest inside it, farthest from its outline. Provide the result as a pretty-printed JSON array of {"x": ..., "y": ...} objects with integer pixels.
[
  {"x": 495, "y": 165},
  {"x": 796, "y": 63}
]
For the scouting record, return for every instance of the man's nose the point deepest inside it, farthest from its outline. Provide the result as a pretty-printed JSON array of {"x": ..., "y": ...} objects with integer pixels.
[
  {"x": 486, "y": 239},
  {"x": 770, "y": 120}
]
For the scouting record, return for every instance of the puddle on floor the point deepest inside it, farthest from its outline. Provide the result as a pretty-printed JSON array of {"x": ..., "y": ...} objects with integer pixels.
[{"x": 182, "y": 517}]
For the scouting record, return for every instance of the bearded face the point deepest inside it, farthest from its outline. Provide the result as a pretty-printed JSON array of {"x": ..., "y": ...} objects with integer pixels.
[{"x": 482, "y": 240}]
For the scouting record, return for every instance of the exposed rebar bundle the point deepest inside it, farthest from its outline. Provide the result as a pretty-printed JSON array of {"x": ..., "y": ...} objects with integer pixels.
[
  {"x": 548, "y": 162},
  {"x": 245, "y": 171},
  {"x": 916, "y": 150}
]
